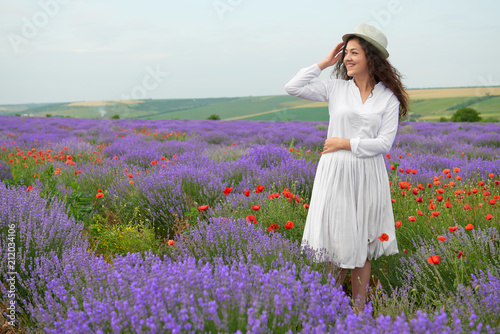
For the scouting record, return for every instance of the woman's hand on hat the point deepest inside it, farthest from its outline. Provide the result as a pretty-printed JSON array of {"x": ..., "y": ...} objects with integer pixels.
[
  {"x": 332, "y": 57},
  {"x": 334, "y": 144}
]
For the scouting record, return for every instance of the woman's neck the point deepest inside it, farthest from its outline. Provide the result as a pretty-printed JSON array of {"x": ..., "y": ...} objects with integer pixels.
[{"x": 365, "y": 83}]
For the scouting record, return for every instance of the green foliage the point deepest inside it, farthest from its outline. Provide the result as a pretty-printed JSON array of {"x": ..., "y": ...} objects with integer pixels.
[
  {"x": 80, "y": 205},
  {"x": 466, "y": 115},
  {"x": 110, "y": 239},
  {"x": 213, "y": 117},
  {"x": 48, "y": 115},
  {"x": 490, "y": 120},
  {"x": 444, "y": 119},
  {"x": 115, "y": 116}
]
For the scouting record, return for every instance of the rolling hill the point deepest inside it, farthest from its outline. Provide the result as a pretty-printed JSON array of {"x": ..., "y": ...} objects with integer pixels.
[{"x": 426, "y": 105}]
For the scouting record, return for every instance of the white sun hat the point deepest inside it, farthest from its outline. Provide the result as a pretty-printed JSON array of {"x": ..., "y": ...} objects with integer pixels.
[{"x": 372, "y": 35}]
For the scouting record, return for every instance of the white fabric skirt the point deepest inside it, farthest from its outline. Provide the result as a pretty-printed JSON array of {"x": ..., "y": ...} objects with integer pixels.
[{"x": 350, "y": 208}]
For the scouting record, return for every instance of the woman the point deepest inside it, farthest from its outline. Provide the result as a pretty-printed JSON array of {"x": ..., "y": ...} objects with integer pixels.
[{"x": 350, "y": 213}]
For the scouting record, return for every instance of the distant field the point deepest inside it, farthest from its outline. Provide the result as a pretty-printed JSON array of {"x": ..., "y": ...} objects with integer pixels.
[
  {"x": 425, "y": 105},
  {"x": 452, "y": 92},
  {"x": 102, "y": 103}
]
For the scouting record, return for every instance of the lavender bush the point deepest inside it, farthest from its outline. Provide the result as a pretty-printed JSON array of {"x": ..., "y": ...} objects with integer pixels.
[{"x": 157, "y": 174}]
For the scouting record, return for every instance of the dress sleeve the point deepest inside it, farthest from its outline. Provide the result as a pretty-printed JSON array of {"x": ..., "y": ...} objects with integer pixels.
[
  {"x": 302, "y": 86},
  {"x": 368, "y": 147}
]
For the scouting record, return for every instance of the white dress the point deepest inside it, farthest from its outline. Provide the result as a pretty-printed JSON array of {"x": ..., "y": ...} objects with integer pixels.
[{"x": 350, "y": 205}]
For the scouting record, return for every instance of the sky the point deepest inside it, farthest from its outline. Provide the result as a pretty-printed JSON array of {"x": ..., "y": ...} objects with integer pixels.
[{"x": 85, "y": 50}]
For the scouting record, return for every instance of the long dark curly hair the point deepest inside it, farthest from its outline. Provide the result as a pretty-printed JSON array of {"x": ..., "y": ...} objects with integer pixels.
[{"x": 380, "y": 69}]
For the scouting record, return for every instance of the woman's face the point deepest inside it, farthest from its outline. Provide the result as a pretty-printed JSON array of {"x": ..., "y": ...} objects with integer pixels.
[{"x": 355, "y": 59}]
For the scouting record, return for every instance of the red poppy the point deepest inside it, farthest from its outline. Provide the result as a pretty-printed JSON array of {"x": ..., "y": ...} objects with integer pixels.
[
  {"x": 246, "y": 192},
  {"x": 420, "y": 213},
  {"x": 460, "y": 254},
  {"x": 475, "y": 191},
  {"x": 403, "y": 193},
  {"x": 432, "y": 206},
  {"x": 435, "y": 214},
  {"x": 404, "y": 185},
  {"x": 456, "y": 170},
  {"x": 491, "y": 174},
  {"x": 405, "y": 251},
  {"x": 414, "y": 191},
  {"x": 441, "y": 238},
  {"x": 392, "y": 167},
  {"x": 388, "y": 156},
  {"x": 227, "y": 191},
  {"x": 446, "y": 171},
  {"x": 393, "y": 200},
  {"x": 448, "y": 205},
  {"x": 469, "y": 227},
  {"x": 439, "y": 198},
  {"x": 171, "y": 242},
  {"x": 434, "y": 259},
  {"x": 440, "y": 190},
  {"x": 252, "y": 219},
  {"x": 306, "y": 206},
  {"x": 452, "y": 228},
  {"x": 273, "y": 227},
  {"x": 289, "y": 224},
  {"x": 408, "y": 170},
  {"x": 99, "y": 195},
  {"x": 99, "y": 190},
  {"x": 493, "y": 201},
  {"x": 419, "y": 199},
  {"x": 489, "y": 217},
  {"x": 399, "y": 224},
  {"x": 203, "y": 207},
  {"x": 458, "y": 178},
  {"x": 466, "y": 207},
  {"x": 259, "y": 189},
  {"x": 412, "y": 218},
  {"x": 29, "y": 188},
  {"x": 256, "y": 207},
  {"x": 400, "y": 170},
  {"x": 400, "y": 157},
  {"x": 130, "y": 175},
  {"x": 153, "y": 162},
  {"x": 383, "y": 237},
  {"x": 420, "y": 186},
  {"x": 414, "y": 171}
]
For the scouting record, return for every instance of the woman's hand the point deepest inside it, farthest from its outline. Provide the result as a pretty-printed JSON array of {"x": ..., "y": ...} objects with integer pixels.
[
  {"x": 332, "y": 57},
  {"x": 334, "y": 144}
]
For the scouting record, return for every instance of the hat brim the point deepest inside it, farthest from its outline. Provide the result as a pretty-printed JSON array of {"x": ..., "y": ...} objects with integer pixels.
[{"x": 376, "y": 44}]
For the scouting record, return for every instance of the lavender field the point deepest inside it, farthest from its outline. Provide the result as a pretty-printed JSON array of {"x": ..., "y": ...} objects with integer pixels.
[{"x": 186, "y": 226}]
